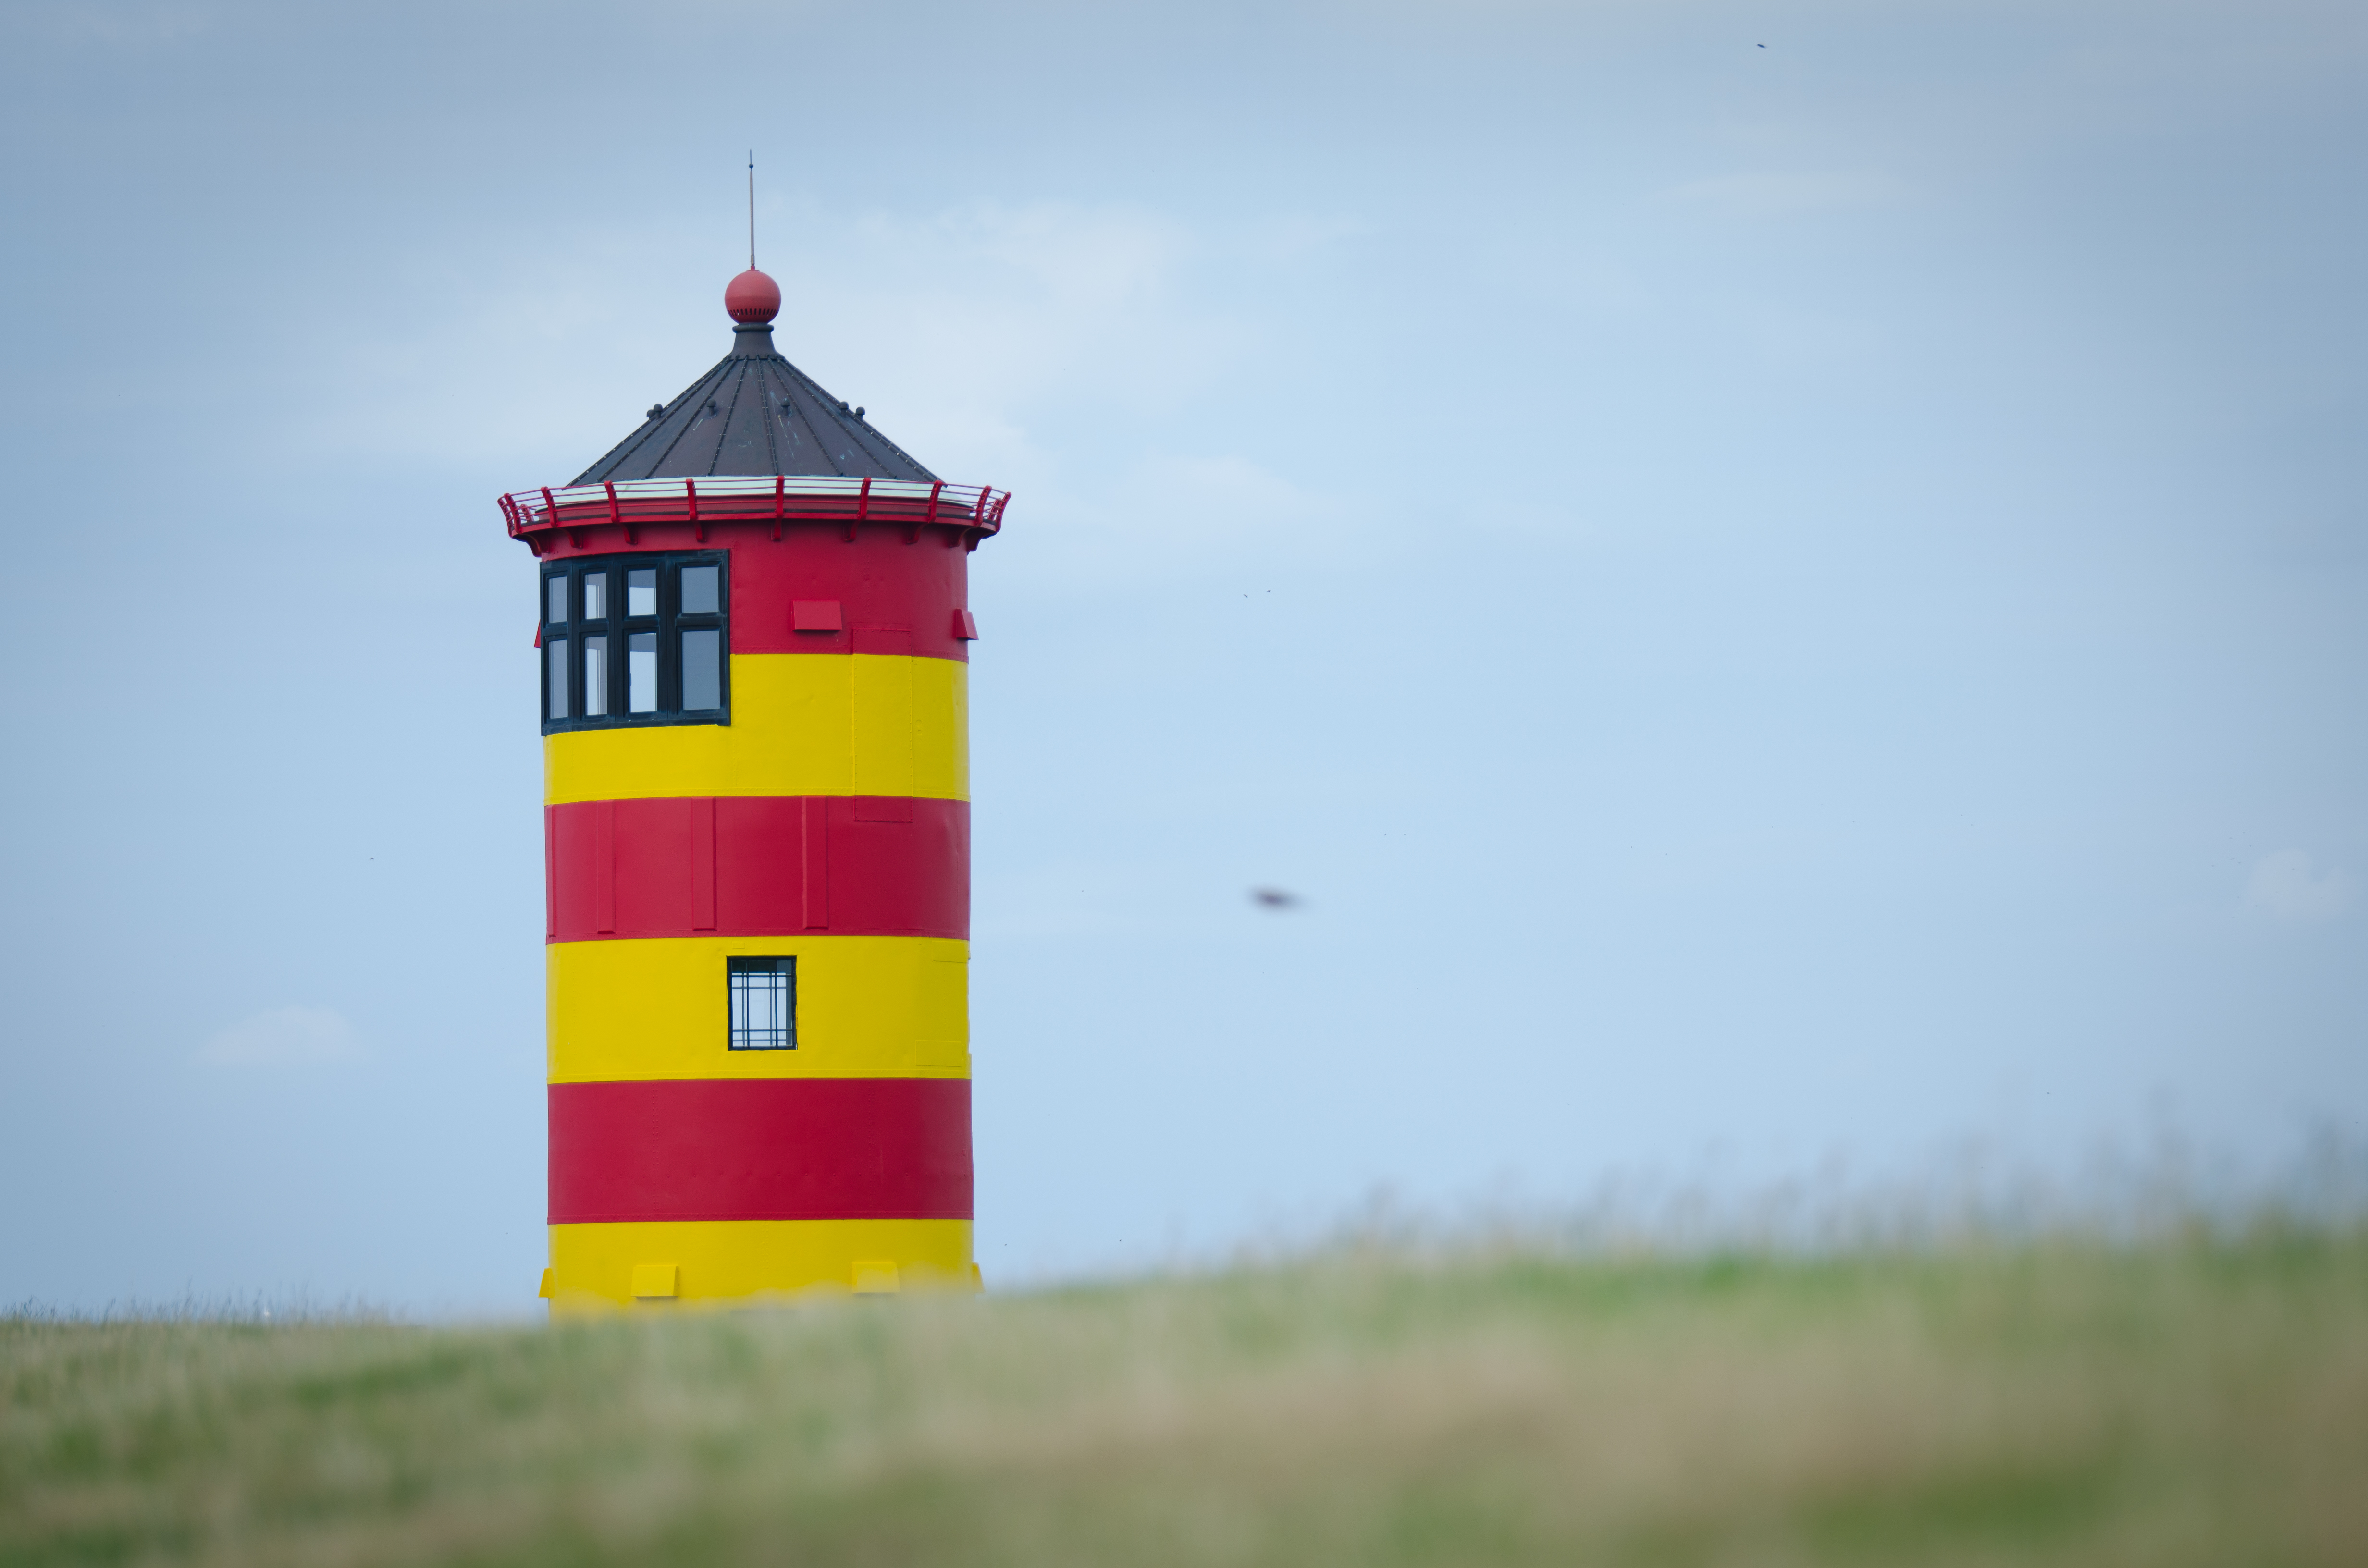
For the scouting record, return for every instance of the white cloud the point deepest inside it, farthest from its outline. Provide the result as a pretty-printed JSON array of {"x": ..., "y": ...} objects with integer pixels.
[
  {"x": 122, "y": 25},
  {"x": 1229, "y": 492},
  {"x": 1788, "y": 194},
  {"x": 967, "y": 319},
  {"x": 1167, "y": 517},
  {"x": 2285, "y": 886},
  {"x": 952, "y": 326},
  {"x": 283, "y": 1037}
]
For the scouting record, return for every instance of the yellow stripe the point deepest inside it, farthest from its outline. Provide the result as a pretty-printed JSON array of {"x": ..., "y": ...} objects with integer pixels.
[
  {"x": 801, "y": 724},
  {"x": 735, "y": 1260},
  {"x": 867, "y": 1008}
]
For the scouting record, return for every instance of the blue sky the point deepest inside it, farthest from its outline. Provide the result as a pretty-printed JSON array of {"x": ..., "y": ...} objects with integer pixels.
[{"x": 1790, "y": 608}]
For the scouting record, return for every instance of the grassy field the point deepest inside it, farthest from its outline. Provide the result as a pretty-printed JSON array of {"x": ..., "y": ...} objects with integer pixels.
[{"x": 2197, "y": 1402}]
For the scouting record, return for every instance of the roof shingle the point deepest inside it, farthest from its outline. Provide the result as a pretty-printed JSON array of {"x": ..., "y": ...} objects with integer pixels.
[{"x": 754, "y": 414}]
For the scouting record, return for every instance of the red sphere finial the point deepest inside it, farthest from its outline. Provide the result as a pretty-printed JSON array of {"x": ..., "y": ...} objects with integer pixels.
[{"x": 752, "y": 297}]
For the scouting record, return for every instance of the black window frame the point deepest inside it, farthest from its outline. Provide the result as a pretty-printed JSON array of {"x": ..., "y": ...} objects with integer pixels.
[
  {"x": 667, "y": 625},
  {"x": 783, "y": 964}
]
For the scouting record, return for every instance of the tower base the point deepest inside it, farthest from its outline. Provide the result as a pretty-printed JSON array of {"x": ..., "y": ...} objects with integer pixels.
[{"x": 675, "y": 1264}]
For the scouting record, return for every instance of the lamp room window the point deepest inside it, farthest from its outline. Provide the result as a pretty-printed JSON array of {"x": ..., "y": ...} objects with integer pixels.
[
  {"x": 764, "y": 1002},
  {"x": 632, "y": 640}
]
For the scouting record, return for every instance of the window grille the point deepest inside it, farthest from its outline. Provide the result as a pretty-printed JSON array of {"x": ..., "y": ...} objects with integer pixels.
[
  {"x": 632, "y": 640},
  {"x": 764, "y": 995}
]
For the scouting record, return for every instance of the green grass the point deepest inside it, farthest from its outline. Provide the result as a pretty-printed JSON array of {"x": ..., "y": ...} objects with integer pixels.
[{"x": 2198, "y": 1402}]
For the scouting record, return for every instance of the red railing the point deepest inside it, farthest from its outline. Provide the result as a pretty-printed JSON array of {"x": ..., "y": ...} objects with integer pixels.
[{"x": 971, "y": 512}]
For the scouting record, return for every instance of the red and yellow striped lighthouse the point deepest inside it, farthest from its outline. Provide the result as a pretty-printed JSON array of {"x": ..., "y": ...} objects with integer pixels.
[{"x": 754, "y": 636}]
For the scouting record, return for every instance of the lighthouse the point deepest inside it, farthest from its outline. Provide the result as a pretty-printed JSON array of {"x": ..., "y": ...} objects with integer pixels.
[{"x": 753, "y": 634}]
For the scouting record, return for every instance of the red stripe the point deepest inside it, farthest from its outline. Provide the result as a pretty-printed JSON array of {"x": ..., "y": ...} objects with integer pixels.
[
  {"x": 879, "y": 582},
  {"x": 761, "y": 1149},
  {"x": 758, "y": 866}
]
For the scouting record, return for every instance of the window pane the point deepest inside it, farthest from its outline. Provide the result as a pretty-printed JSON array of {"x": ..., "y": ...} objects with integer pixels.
[
  {"x": 642, "y": 592},
  {"x": 556, "y": 650},
  {"x": 763, "y": 994},
  {"x": 703, "y": 670},
  {"x": 596, "y": 596},
  {"x": 642, "y": 672},
  {"x": 699, "y": 590},
  {"x": 596, "y": 677},
  {"x": 558, "y": 600}
]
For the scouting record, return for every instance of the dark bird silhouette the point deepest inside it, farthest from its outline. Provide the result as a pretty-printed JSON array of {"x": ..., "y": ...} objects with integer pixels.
[{"x": 1274, "y": 898}]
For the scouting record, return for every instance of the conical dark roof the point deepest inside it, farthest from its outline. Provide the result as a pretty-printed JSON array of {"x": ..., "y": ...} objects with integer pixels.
[{"x": 754, "y": 414}]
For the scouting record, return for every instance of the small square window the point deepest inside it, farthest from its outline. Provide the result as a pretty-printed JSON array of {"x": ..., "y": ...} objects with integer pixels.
[
  {"x": 764, "y": 1002},
  {"x": 699, "y": 590}
]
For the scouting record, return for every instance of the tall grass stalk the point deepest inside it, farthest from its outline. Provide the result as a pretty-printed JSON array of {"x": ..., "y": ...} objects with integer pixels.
[{"x": 2194, "y": 1396}]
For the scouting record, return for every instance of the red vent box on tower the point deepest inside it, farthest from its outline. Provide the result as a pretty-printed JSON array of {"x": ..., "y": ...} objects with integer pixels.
[{"x": 814, "y": 615}]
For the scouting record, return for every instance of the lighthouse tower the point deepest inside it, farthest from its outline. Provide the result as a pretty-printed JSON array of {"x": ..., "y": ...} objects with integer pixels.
[{"x": 754, "y": 631}]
